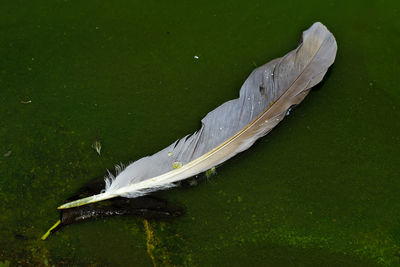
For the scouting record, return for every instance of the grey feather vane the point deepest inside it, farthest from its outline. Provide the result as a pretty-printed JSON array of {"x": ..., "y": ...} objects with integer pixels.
[{"x": 265, "y": 97}]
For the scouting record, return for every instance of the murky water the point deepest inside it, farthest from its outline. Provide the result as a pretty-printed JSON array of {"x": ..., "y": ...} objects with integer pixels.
[{"x": 321, "y": 189}]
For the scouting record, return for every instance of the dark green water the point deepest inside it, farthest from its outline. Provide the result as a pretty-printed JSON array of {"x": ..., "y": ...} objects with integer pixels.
[{"x": 321, "y": 189}]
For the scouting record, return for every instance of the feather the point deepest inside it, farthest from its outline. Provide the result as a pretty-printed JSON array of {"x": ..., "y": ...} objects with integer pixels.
[{"x": 265, "y": 98}]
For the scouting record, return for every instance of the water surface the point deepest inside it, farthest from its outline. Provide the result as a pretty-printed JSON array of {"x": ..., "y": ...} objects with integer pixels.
[{"x": 321, "y": 189}]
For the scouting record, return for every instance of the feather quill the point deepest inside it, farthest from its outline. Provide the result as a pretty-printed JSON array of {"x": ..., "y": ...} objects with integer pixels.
[{"x": 265, "y": 97}]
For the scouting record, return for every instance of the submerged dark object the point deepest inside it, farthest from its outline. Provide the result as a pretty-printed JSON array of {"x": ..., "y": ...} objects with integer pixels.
[{"x": 148, "y": 207}]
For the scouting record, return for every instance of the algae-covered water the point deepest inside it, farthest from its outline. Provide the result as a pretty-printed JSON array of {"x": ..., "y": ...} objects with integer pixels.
[{"x": 321, "y": 189}]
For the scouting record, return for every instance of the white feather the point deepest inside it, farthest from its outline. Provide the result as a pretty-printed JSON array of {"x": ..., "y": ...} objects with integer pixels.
[{"x": 265, "y": 97}]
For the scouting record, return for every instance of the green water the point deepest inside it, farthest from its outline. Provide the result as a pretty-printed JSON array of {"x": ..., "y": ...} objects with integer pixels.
[{"x": 321, "y": 189}]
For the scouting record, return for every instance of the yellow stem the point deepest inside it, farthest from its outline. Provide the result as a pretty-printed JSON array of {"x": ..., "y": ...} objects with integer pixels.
[{"x": 49, "y": 231}]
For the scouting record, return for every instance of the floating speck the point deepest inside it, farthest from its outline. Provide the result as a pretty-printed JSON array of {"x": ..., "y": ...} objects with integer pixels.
[
  {"x": 177, "y": 165},
  {"x": 26, "y": 101},
  {"x": 211, "y": 172},
  {"x": 7, "y": 154},
  {"x": 97, "y": 146},
  {"x": 196, "y": 57}
]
